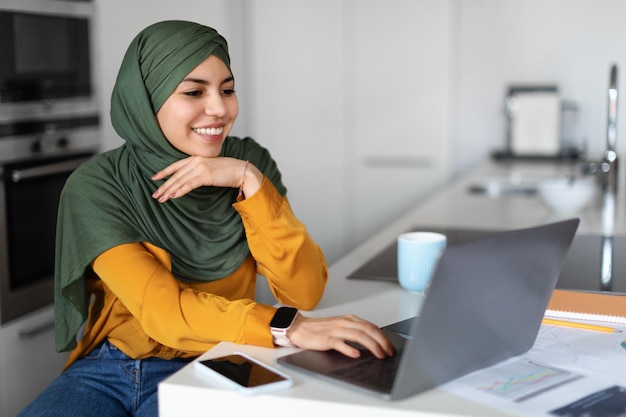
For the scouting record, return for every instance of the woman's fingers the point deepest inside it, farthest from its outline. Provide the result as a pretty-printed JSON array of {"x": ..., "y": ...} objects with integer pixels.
[
  {"x": 340, "y": 333},
  {"x": 194, "y": 172}
]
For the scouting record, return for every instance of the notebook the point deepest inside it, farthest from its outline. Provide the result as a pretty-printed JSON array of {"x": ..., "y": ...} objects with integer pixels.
[
  {"x": 485, "y": 304},
  {"x": 589, "y": 306}
]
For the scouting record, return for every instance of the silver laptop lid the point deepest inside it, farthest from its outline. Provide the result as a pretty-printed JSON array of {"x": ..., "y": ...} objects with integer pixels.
[{"x": 485, "y": 304}]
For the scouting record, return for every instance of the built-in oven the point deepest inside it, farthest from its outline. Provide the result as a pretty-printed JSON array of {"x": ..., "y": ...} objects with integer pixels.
[
  {"x": 34, "y": 165},
  {"x": 49, "y": 125}
]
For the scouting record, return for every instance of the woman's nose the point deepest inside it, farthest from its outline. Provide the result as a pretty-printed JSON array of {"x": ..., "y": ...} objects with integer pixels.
[{"x": 215, "y": 105}]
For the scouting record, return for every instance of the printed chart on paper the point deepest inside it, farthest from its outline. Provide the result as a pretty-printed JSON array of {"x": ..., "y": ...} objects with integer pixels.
[{"x": 520, "y": 380}]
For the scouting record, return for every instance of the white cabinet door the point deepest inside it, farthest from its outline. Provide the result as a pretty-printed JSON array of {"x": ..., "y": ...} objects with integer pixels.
[
  {"x": 295, "y": 83},
  {"x": 402, "y": 77},
  {"x": 28, "y": 360},
  {"x": 352, "y": 99}
]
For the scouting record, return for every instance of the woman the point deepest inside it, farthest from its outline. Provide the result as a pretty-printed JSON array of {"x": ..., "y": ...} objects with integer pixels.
[{"x": 159, "y": 241}]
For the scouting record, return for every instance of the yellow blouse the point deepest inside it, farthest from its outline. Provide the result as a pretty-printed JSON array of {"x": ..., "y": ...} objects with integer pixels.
[{"x": 145, "y": 311}]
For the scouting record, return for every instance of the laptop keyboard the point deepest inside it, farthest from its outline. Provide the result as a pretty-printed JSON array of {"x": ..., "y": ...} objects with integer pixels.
[{"x": 371, "y": 371}]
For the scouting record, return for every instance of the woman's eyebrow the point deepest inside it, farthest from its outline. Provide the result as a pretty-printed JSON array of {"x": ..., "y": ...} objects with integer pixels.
[{"x": 206, "y": 82}]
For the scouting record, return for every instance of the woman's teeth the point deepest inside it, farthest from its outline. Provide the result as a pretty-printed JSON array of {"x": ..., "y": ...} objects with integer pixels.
[{"x": 213, "y": 131}]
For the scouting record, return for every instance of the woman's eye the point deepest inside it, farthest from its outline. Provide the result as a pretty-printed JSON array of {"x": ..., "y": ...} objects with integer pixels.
[
  {"x": 193, "y": 93},
  {"x": 228, "y": 91}
]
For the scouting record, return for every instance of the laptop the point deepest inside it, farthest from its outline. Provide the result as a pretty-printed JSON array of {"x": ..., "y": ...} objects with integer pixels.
[{"x": 485, "y": 304}]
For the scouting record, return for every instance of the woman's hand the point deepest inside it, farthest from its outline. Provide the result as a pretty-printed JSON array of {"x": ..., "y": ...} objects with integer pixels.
[
  {"x": 195, "y": 171},
  {"x": 336, "y": 332}
]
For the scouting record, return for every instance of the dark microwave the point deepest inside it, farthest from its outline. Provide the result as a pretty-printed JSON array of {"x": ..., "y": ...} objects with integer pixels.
[{"x": 44, "y": 56}]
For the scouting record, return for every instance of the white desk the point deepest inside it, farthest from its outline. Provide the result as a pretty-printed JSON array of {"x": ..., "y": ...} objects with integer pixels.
[{"x": 187, "y": 394}]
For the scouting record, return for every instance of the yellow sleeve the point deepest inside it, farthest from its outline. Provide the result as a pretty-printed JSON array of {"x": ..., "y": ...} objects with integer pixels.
[
  {"x": 287, "y": 256},
  {"x": 195, "y": 317},
  {"x": 179, "y": 316}
]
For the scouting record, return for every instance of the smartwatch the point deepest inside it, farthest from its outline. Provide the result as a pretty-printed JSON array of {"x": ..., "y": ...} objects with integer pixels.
[{"x": 280, "y": 324}]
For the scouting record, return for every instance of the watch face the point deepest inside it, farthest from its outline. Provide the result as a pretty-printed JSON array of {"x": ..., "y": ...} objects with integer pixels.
[{"x": 283, "y": 317}]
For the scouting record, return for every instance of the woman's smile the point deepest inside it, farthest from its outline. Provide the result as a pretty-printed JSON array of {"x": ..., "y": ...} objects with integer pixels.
[
  {"x": 210, "y": 134},
  {"x": 210, "y": 131}
]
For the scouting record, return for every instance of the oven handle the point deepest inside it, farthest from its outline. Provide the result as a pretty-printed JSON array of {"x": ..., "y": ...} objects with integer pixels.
[
  {"x": 36, "y": 330},
  {"x": 51, "y": 169}
]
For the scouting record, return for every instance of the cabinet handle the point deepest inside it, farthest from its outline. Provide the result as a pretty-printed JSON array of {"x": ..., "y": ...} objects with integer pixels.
[
  {"x": 36, "y": 330},
  {"x": 398, "y": 161}
]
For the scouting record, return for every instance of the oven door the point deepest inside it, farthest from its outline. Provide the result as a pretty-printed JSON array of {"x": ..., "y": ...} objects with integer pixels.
[{"x": 29, "y": 196}]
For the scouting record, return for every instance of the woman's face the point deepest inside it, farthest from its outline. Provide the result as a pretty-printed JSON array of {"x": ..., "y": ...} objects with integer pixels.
[{"x": 200, "y": 113}]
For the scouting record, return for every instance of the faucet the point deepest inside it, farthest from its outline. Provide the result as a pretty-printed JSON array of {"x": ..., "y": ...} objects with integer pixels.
[
  {"x": 609, "y": 163},
  {"x": 606, "y": 169},
  {"x": 606, "y": 173},
  {"x": 609, "y": 167}
]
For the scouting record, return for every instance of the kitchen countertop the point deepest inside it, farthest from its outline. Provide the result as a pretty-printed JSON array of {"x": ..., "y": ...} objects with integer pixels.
[
  {"x": 453, "y": 205},
  {"x": 454, "y": 208}
]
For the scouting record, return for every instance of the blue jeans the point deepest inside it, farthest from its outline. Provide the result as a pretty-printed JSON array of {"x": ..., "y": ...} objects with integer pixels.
[{"x": 105, "y": 383}]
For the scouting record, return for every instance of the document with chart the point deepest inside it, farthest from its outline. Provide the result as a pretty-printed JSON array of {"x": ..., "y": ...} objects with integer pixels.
[{"x": 568, "y": 372}]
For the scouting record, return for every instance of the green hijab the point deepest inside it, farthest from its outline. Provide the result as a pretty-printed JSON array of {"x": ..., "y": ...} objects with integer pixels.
[{"x": 107, "y": 201}]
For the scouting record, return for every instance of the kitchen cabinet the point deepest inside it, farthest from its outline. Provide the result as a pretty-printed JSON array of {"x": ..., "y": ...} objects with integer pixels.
[
  {"x": 402, "y": 90},
  {"x": 28, "y": 360},
  {"x": 352, "y": 98}
]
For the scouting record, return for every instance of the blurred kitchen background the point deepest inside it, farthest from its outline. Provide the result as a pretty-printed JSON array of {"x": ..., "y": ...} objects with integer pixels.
[{"x": 367, "y": 105}]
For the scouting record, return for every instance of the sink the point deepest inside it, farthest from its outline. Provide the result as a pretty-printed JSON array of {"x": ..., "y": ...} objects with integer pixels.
[
  {"x": 499, "y": 188},
  {"x": 519, "y": 182},
  {"x": 581, "y": 269}
]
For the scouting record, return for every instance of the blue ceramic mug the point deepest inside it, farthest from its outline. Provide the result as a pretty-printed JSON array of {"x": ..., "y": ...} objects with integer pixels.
[{"x": 418, "y": 254}]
